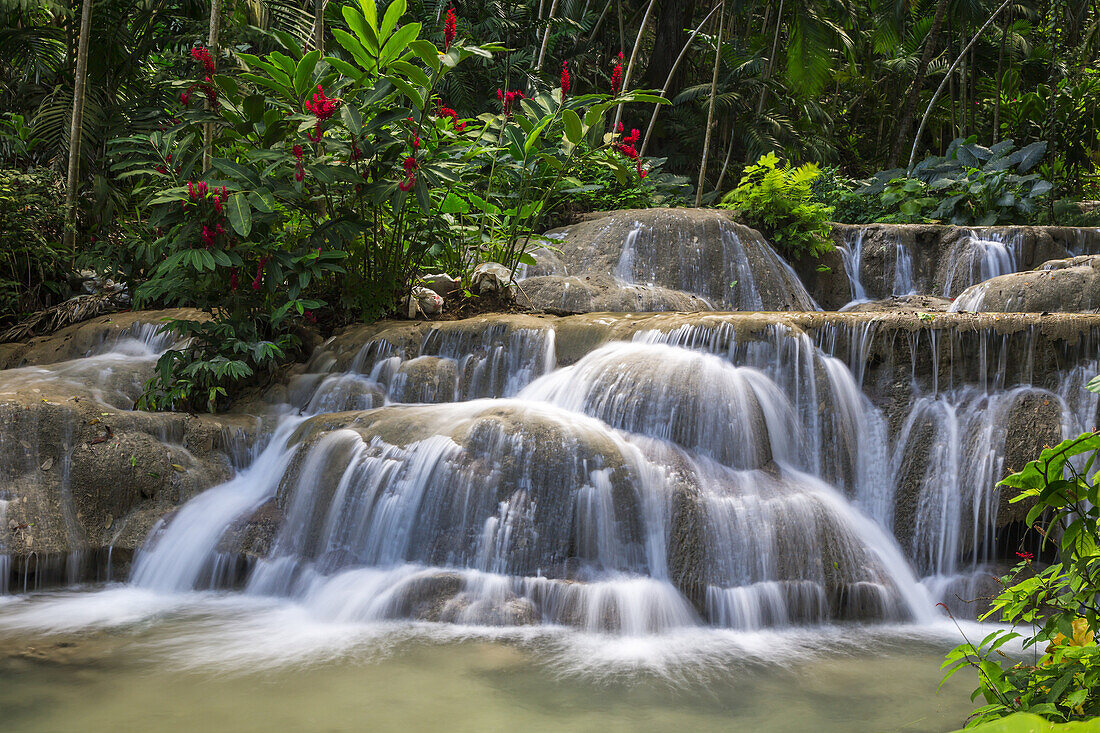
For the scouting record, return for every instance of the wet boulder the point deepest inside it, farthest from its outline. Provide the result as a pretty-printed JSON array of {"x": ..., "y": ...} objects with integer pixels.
[
  {"x": 703, "y": 252},
  {"x": 1059, "y": 286},
  {"x": 604, "y": 293}
]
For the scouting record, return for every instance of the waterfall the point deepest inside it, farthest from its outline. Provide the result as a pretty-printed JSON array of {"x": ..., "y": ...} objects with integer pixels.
[{"x": 851, "y": 254}]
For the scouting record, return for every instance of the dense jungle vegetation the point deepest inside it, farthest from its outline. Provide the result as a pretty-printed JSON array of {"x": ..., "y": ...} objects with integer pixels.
[{"x": 279, "y": 163}]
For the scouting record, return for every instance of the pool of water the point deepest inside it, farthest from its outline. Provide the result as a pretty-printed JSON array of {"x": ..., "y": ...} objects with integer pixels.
[{"x": 120, "y": 659}]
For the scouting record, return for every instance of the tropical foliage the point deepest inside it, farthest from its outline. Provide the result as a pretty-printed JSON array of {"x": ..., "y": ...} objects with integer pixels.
[
  {"x": 778, "y": 199},
  {"x": 1051, "y": 609}
]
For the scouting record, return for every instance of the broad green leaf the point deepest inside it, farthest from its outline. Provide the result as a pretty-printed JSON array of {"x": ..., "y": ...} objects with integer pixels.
[
  {"x": 393, "y": 14},
  {"x": 304, "y": 72},
  {"x": 399, "y": 43},
  {"x": 573, "y": 129},
  {"x": 240, "y": 214},
  {"x": 262, "y": 200}
]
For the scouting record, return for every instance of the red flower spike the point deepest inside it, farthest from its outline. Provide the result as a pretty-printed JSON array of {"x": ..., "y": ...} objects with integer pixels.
[
  {"x": 617, "y": 75},
  {"x": 314, "y": 135},
  {"x": 410, "y": 164},
  {"x": 416, "y": 142},
  {"x": 510, "y": 100},
  {"x": 202, "y": 55},
  {"x": 407, "y": 184},
  {"x": 565, "y": 81},
  {"x": 185, "y": 97},
  {"x": 191, "y": 190},
  {"x": 207, "y": 237},
  {"x": 258, "y": 281},
  {"x": 299, "y": 172},
  {"x": 1026, "y": 555},
  {"x": 450, "y": 28},
  {"x": 298, "y": 152},
  {"x": 447, "y": 112},
  {"x": 323, "y": 106},
  {"x": 500, "y": 95}
]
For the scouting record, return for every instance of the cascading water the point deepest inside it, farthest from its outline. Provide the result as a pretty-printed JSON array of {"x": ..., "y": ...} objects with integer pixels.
[{"x": 851, "y": 254}]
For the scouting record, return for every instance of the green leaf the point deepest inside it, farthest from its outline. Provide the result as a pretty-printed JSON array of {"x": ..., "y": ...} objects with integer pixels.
[
  {"x": 240, "y": 214},
  {"x": 393, "y": 14},
  {"x": 304, "y": 72},
  {"x": 573, "y": 130},
  {"x": 398, "y": 44},
  {"x": 262, "y": 200}
]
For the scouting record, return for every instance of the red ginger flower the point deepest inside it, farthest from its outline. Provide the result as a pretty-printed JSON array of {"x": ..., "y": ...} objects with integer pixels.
[
  {"x": 323, "y": 106},
  {"x": 450, "y": 28},
  {"x": 617, "y": 75},
  {"x": 410, "y": 166},
  {"x": 1026, "y": 555},
  {"x": 258, "y": 281},
  {"x": 298, "y": 152},
  {"x": 185, "y": 97},
  {"x": 448, "y": 112},
  {"x": 509, "y": 100},
  {"x": 207, "y": 237},
  {"x": 565, "y": 81},
  {"x": 202, "y": 55}
]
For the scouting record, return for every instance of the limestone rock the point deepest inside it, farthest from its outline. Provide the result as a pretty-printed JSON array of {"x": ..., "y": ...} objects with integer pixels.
[
  {"x": 1059, "y": 286},
  {"x": 702, "y": 252}
]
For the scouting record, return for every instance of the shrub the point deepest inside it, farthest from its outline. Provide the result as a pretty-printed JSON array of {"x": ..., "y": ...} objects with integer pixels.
[
  {"x": 1054, "y": 609},
  {"x": 35, "y": 268},
  {"x": 970, "y": 185},
  {"x": 334, "y": 182},
  {"x": 779, "y": 201}
]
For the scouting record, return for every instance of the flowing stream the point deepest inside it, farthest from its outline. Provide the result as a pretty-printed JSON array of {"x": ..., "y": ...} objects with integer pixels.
[{"x": 694, "y": 524}]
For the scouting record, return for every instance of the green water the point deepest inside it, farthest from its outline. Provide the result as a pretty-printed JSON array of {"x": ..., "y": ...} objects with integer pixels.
[{"x": 119, "y": 661}]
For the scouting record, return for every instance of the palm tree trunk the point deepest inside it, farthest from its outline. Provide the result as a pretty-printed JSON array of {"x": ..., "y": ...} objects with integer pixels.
[
  {"x": 913, "y": 97},
  {"x": 1000, "y": 82},
  {"x": 633, "y": 58},
  {"x": 319, "y": 24},
  {"x": 75, "y": 130},
  {"x": 668, "y": 81},
  {"x": 546, "y": 36},
  {"x": 947, "y": 76},
  {"x": 771, "y": 58},
  {"x": 208, "y": 129},
  {"x": 710, "y": 110}
]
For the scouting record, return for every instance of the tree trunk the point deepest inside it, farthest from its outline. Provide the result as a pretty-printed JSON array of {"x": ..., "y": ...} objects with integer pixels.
[
  {"x": 318, "y": 24},
  {"x": 546, "y": 36},
  {"x": 668, "y": 82},
  {"x": 208, "y": 128},
  {"x": 909, "y": 109},
  {"x": 669, "y": 35},
  {"x": 710, "y": 110},
  {"x": 633, "y": 58},
  {"x": 771, "y": 58},
  {"x": 77, "y": 127},
  {"x": 1000, "y": 81}
]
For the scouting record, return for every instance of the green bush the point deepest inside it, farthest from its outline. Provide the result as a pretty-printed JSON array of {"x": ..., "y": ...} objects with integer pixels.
[
  {"x": 35, "y": 268},
  {"x": 779, "y": 201},
  {"x": 1054, "y": 609},
  {"x": 334, "y": 182},
  {"x": 971, "y": 185}
]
